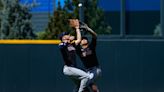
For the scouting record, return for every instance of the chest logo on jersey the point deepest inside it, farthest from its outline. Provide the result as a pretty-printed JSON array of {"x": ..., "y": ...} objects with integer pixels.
[
  {"x": 71, "y": 48},
  {"x": 86, "y": 53}
]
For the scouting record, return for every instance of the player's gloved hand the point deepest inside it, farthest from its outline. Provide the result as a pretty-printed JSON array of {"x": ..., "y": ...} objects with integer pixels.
[{"x": 83, "y": 25}]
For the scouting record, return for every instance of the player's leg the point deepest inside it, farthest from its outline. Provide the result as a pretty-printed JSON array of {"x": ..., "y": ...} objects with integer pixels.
[
  {"x": 77, "y": 86},
  {"x": 97, "y": 74},
  {"x": 80, "y": 74},
  {"x": 76, "y": 81},
  {"x": 87, "y": 89},
  {"x": 83, "y": 84},
  {"x": 71, "y": 71},
  {"x": 83, "y": 76}
]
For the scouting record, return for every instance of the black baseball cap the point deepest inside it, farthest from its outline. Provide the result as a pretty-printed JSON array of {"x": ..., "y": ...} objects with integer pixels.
[{"x": 62, "y": 34}]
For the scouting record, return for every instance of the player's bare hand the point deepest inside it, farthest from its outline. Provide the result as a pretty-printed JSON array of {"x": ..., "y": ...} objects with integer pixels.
[{"x": 77, "y": 24}]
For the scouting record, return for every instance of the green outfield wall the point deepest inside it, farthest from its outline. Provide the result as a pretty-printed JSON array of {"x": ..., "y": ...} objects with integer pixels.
[{"x": 127, "y": 66}]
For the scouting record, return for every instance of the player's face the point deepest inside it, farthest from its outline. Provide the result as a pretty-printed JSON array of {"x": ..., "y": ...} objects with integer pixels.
[
  {"x": 72, "y": 38},
  {"x": 84, "y": 42},
  {"x": 66, "y": 38}
]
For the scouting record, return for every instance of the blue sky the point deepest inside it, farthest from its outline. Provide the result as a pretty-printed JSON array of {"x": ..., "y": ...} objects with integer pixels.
[{"x": 107, "y": 5}]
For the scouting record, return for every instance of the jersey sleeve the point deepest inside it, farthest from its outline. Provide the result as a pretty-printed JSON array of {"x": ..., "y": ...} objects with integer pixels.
[
  {"x": 63, "y": 49},
  {"x": 62, "y": 45}
]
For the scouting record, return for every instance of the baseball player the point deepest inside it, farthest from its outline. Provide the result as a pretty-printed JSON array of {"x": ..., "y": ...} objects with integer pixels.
[
  {"x": 68, "y": 51},
  {"x": 87, "y": 54}
]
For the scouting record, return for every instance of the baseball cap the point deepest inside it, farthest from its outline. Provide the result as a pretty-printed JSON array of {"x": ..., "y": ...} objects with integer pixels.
[{"x": 62, "y": 34}]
